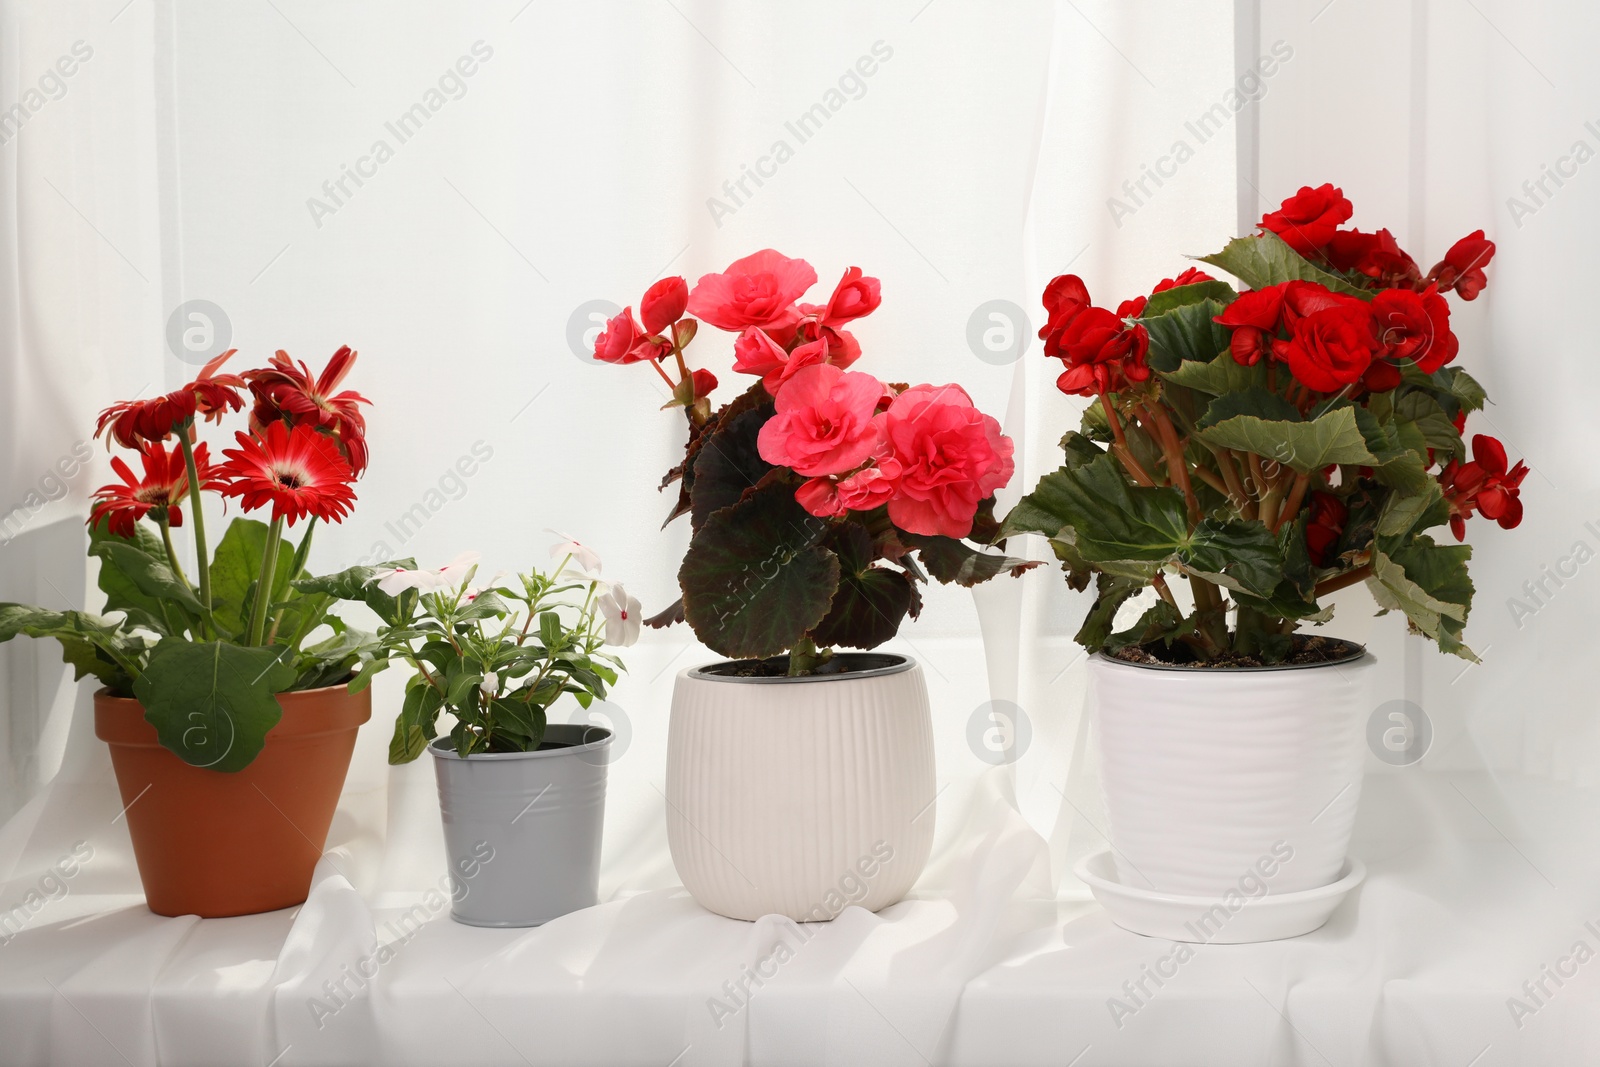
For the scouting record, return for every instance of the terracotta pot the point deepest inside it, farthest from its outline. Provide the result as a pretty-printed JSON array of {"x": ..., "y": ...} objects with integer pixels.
[{"x": 210, "y": 843}]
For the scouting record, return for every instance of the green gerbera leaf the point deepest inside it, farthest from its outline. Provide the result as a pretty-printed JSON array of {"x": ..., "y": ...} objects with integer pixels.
[{"x": 211, "y": 702}]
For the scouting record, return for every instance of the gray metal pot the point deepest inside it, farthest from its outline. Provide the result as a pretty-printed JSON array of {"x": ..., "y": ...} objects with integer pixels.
[{"x": 522, "y": 829}]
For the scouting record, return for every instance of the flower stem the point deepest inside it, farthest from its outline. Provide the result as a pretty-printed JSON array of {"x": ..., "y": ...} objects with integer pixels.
[
  {"x": 1134, "y": 468},
  {"x": 172, "y": 553},
  {"x": 1297, "y": 493},
  {"x": 1177, "y": 468},
  {"x": 1236, "y": 489},
  {"x": 264, "y": 584},
  {"x": 1348, "y": 578},
  {"x": 202, "y": 558}
]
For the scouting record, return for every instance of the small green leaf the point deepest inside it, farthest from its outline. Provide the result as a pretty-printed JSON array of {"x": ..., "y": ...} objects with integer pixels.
[
  {"x": 365, "y": 675},
  {"x": 1181, "y": 327},
  {"x": 1160, "y": 622},
  {"x": 1434, "y": 426},
  {"x": 149, "y": 574},
  {"x": 415, "y": 725},
  {"x": 1404, "y": 512},
  {"x": 1429, "y": 583},
  {"x": 524, "y": 721},
  {"x": 122, "y": 594},
  {"x": 954, "y": 562},
  {"x": 1256, "y": 402},
  {"x": 1111, "y": 592},
  {"x": 211, "y": 702},
  {"x": 1218, "y": 376},
  {"x": 1266, "y": 260},
  {"x": 1463, "y": 386},
  {"x": 1080, "y": 450},
  {"x": 356, "y": 583},
  {"x": 1180, "y": 296}
]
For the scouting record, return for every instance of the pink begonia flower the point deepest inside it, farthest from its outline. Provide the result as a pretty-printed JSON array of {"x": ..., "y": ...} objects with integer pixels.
[
  {"x": 823, "y": 423},
  {"x": 758, "y": 290},
  {"x": 864, "y": 490},
  {"x": 755, "y": 352},
  {"x": 951, "y": 455},
  {"x": 623, "y": 342},
  {"x": 855, "y": 295},
  {"x": 663, "y": 304}
]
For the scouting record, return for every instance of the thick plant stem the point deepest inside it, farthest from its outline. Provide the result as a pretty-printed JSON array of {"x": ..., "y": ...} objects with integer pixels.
[
  {"x": 1216, "y": 483},
  {"x": 1212, "y": 621},
  {"x": 1177, "y": 469},
  {"x": 1348, "y": 578},
  {"x": 1297, "y": 493},
  {"x": 805, "y": 657},
  {"x": 1248, "y": 629},
  {"x": 1269, "y": 506},
  {"x": 1236, "y": 490},
  {"x": 202, "y": 558},
  {"x": 264, "y": 584},
  {"x": 1120, "y": 449},
  {"x": 1258, "y": 479}
]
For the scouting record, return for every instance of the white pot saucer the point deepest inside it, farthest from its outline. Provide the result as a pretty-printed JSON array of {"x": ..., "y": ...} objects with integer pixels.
[{"x": 1231, "y": 919}]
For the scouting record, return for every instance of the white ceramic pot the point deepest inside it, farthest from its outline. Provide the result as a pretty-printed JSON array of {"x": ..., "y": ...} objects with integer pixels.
[
  {"x": 1211, "y": 774},
  {"x": 801, "y": 796}
]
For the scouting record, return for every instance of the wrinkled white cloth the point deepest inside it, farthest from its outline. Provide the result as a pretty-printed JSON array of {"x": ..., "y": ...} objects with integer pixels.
[{"x": 1454, "y": 948}]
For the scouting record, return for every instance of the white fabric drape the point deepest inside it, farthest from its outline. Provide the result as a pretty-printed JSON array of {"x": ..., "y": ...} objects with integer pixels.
[{"x": 205, "y": 152}]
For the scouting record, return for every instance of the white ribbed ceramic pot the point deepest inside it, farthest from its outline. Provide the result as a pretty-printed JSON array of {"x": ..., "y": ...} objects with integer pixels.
[
  {"x": 1207, "y": 771},
  {"x": 801, "y": 796}
]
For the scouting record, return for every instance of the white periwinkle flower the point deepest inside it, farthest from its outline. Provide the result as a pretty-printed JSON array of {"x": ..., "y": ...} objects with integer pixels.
[
  {"x": 586, "y": 558},
  {"x": 449, "y": 576},
  {"x": 623, "y": 616}
]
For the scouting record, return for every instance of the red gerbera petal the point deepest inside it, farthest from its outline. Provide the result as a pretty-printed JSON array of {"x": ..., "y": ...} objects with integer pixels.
[
  {"x": 298, "y": 471},
  {"x": 134, "y": 422},
  {"x": 164, "y": 485},
  {"x": 290, "y": 393}
]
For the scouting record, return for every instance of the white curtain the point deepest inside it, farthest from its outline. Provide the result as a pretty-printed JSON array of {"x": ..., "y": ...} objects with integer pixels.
[{"x": 228, "y": 153}]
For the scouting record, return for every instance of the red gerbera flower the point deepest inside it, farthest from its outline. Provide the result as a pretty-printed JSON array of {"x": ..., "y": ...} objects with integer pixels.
[
  {"x": 209, "y": 395},
  {"x": 298, "y": 471},
  {"x": 164, "y": 485},
  {"x": 285, "y": 392},
  {"x": 1484, "y": 485}
]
